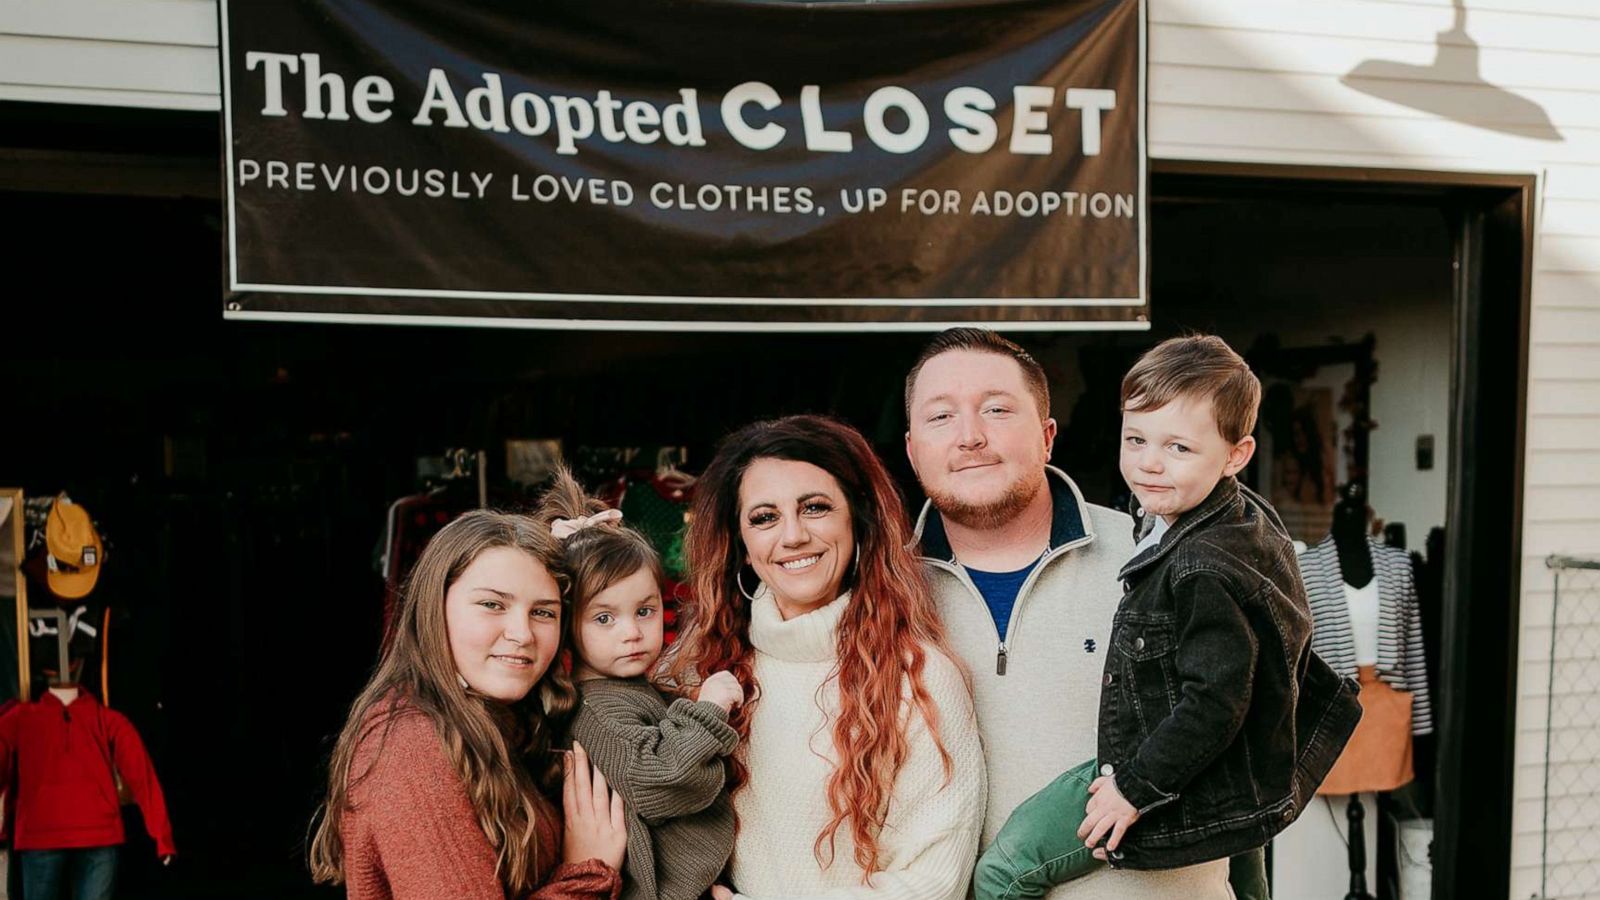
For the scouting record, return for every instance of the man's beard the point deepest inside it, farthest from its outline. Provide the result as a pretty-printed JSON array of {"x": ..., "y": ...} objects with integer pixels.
[{"x": 997, "y": 512}]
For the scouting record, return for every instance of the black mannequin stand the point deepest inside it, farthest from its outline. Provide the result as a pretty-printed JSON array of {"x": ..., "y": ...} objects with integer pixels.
[{"x": 1356, "y": 813}]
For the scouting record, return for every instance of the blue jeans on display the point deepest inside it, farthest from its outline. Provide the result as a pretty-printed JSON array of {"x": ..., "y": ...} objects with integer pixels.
[{"x": 87, "y": 873}]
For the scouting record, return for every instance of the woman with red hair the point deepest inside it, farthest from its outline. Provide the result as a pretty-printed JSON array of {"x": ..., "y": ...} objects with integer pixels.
[{"x": 859, "y": 771}]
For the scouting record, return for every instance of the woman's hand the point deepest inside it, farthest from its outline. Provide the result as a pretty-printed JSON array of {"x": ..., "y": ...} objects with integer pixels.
[
  {"x": 722, "y": 689},
  {"x": 721, "y": 892},
  {"x": 593, "y": 814}
]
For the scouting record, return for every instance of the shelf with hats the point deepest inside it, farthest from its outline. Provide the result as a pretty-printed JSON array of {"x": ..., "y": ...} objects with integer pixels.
[{"x": 60, "y": 633}]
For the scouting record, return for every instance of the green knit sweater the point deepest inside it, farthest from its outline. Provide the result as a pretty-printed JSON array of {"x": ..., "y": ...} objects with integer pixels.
[{"x": 667, "y": 763}]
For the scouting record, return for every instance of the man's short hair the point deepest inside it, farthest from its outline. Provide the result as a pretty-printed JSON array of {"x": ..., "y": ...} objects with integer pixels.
[
  {"x": 982, "y": 340},
  {"x": 1196, "y": 366}
]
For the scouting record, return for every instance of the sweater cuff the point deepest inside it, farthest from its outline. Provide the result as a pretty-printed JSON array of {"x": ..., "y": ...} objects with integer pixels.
[
  {"x": 591, "y": 877},
  {"x": 711, "y": 717},
  {"x": 1141, "y": 793}
]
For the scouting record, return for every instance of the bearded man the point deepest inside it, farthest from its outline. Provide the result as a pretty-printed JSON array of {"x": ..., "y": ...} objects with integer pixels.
[{"x": 1025, "y": 575}]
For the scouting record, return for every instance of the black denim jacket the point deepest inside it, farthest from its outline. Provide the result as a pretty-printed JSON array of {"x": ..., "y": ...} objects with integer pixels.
[{"x": 1216, "y": 719}]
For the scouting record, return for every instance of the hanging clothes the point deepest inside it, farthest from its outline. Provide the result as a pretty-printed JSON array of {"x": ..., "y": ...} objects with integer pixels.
[
  {"x": 1373, "y": 632},
  {"x": 1378, "y": 756},
  {"x": 1400, "y": 658},
  {"x": 1362, "y": 604},
  {"x": 413, "y": 521},
  {"x": 657, "y": 504}
]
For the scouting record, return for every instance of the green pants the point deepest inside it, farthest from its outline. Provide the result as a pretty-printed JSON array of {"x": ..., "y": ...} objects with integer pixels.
[{"x": 1038, "y": 847}]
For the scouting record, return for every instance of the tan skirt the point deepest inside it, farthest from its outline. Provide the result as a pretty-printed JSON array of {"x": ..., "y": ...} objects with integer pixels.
[{"x": 1378, "y": 757}]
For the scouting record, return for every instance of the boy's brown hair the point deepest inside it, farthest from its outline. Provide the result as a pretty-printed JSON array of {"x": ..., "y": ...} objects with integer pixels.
[{"x": 1196, "y": 366}]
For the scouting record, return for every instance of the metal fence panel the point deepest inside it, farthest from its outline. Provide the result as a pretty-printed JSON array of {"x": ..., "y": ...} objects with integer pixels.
[{"x": 1569, "y": 846}]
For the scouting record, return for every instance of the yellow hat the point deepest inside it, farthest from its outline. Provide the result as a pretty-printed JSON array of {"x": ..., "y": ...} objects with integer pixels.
[{"x": 74, "y": 551}]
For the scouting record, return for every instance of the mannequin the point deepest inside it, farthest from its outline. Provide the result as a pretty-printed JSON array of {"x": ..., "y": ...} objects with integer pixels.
[
  {"x": 66, "y": 839},
  {"x": 66, "y": 693},
  {"x": 1367, "y": 625},
  {"x": 1349, "y": 533}
]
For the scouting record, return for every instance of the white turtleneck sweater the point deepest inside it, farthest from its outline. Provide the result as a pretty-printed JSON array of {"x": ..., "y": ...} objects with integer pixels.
[{"x": 930, "y": 842}]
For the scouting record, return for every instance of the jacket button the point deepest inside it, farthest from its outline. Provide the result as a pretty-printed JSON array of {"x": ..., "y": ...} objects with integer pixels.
[
  {"x": 1108, "y": 679},
  {"x": 1138, "y": 643},
  {"x": 1107, "y": 770}
]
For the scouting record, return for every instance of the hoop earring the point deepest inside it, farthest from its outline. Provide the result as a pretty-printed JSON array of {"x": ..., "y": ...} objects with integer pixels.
[{"x": 738, "y": 577}]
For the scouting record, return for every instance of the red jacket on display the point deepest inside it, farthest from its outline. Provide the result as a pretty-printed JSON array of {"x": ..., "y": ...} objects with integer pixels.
[{"x": 66, "y": 792}]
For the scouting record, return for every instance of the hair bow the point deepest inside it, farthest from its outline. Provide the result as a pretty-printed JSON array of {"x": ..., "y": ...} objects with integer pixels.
[{"x": 562, "y": 529}]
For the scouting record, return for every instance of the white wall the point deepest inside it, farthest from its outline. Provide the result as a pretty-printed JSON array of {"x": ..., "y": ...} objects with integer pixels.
[
  {"x": 149, "y": 53},
  {"x": 1411, "y": 398}
]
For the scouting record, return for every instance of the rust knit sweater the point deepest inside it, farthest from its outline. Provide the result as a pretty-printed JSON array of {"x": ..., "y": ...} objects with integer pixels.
[{"x": 411, "y": 834}]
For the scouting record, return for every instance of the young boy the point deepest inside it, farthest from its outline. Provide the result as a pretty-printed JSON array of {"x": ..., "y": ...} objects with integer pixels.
[{"x": 1217, "y": 722}]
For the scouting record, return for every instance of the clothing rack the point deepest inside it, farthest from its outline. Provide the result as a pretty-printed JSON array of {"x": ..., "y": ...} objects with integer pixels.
[{"x": 457, "y": 465}]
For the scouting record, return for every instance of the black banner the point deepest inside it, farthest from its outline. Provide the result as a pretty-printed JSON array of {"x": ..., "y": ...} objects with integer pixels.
[{"x": 687, "y": 164}]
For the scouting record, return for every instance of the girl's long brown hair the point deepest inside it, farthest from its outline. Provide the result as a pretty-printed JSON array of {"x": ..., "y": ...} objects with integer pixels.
[
  {"x": 500, "y": 751},
  {"x": 884, "y": 637}
]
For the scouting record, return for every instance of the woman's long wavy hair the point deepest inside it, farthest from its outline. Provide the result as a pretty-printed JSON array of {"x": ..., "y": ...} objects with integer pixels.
[
  {"x": 884, "y": 638},
  {"x": 500, "y": 751}
]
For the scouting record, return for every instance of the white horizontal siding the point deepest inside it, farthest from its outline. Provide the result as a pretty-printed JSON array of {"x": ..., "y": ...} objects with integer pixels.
[
  {"x": 1555, "y": 325},
  {"x": 1411, "y": 23},
  {"x": 1313, "y": 54},
  {"x": 1575, "y": 218},
  {"x": 1566, "y": 290},
  {"x": 1559, "y": 9},
  {"x": 107, "y": 65},
  {"x": 1575, "y": 182},
  {"x": 1575, "y": 361},
  {"x": 1542, "y": 538},
  {"x": 1207, "y": 87},
  {"x": 1564, "y": 468},
  {"x": 1246, "y": 129},
  {"x": 1373, "y": 158},
  {"x": 1568, "y": 744},
  {"x": 192, "y": 22},
  {"x": 1566, "y": 253},
  {"x": 141, "y": 53},
  {"x": 1565, "y": 433},
  {"x": 1573, "y": 610},
  {"x": 110, "y": 97},
  {"x": 1564, "y": 707},
  {"x": 1563, "y": 398},
  {"x": 1581, "y": 812},
  {"x": 1577, "y": 640}
]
